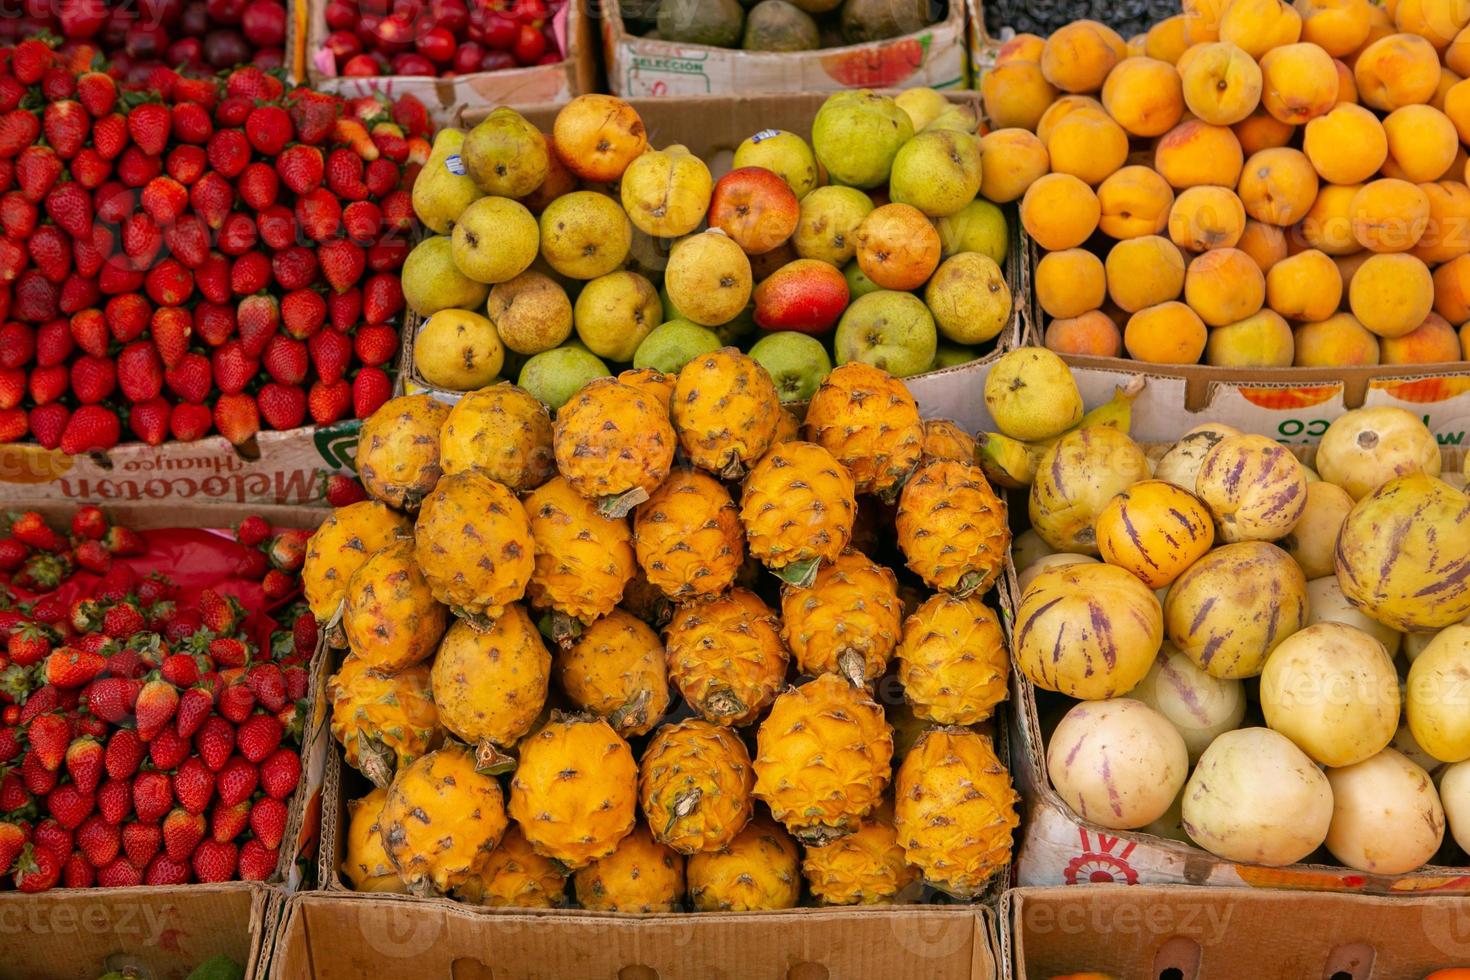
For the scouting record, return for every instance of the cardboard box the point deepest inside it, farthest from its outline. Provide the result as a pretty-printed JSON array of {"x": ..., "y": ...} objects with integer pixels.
[
  {"x": 935, "y": 57},
  {"x": 983, "y": 47},
  {"x": 1216, "y": 934}
]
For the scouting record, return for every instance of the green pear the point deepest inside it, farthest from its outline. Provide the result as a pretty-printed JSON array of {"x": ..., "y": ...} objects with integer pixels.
[
  {"x": 506, "y": 155},
  {"x": 432, "y": 282},
  {"x": 670, "y": 346},
  {"x": 615, "y": 312},
  {"x": 937, "y": 172},
  {"x": 889, "y": 330},
  {"x": 495, "y": 239},
  {"x": 857, "y": 134},
  {"x": 443, "y": 189},
  {"x": 554, "y": 376}
]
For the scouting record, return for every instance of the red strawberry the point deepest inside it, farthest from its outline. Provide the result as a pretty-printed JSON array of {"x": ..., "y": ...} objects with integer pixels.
[
  {"x": 236, "y": 781},
  {"x": 280, "y": 773},
  {"x": 258, "y": 318},
  {"x": 313, "y": 114},
  {"x": 30, "y": 59},
  {"x": 303, "y": 312},
  {"x": 233, "y": 368},
  {"x": 344, "y": 175},
  {"x": 142, "y": 840},
  {"x": 227, "y": 651},
  {"x": 253, "y": 531},
  {"x": 156, "y": 705},
  {"x": 49, "y": 735},
  {"x": 236, "y": 417},
  {"x": 50, "y": 833},
  {"x": 110, "y": 136},
  {"x": 142, "y": 239},
  {"x": 204, "y": 91},
  {"x": 212, "y": 197},
  {"x": 191, "y": 123},
  {"x": 10, "y": 744},
  {"x": 269, "y": 130},
  {"x": 329, "y": 401},
  {"x": 126, "y": 543},
  {"x": 93, "y": 379},
  {"x": 12, "y": 260},
  {"x": 90, "y": 169},
  {"x": 36, "y": 171},
  {"x": 31, "y": 643},
  {"x": 376, "y": 344},
  {"x": 278, "y": 585},
  {"x": 194, "y": 785},
  {"x": 295, "y": 267},
  {"x": 370, "y": 389},
  {"x": 235, "y": 702},
  {"x": 69, "y": 806},
  {"x": 319, "y": 213},
  {"x": 70, "y": 206},
  {"x": 190, "y": 421},
  {"x": 238, "y": 234},
  {"x": 53, "y": 343},
  {"x": 282, "y": 407},
  {"x": 77, "y": 291},
  {"x": 221, "y": 614},
  {"x": 65, "y": 124},
  {"x": 214, "y": 322},
  {"x": 31, "y": 529},
  {"x": 91, "y": 428},
  {"x": 345, "y": 309},
  {"x": 97, "y": 93},
  {"x": 123, "y": 754},
  {"x": 249, "y": 82},
  {"x": 163, "y": 870},
  {"x": 18, "y": 130},
  {"x": 47, "y": 423},
  {"x": 115, "y": 800},
  {"x": 12, "y": 555},
  {"x": 14, "y": 786},
  {"x": 382, "y": 177},
  {"x": 168, "y": 749},
  {"x": 182, "y": 832},
  {"x": 126, "y": 316},
  {"x": 257, "y": 862},
  {"x": 342, "y": 263},
  {"x": 250, "y": 273},
  {"x": 170, "y": 283},
  {"x": 195, "y": 705},
  {"x": 121, "y": 873},
  {"x": 286, "y": 360},
  {"x": 78, "y": 872},
  {"x": 38, "y": 868},
  {"x": 98, "y": 840},
  {"x": 149, "y": 421},
  {"x": 165, "y": 199},
  {"x": 51, "y": 252},
  {"x": 13, "y": 837},
  {"x": 363, "y": 221},
  {"x": 122, "y": 621},
  {"x": 136, "y": 168},
  {"x": 47, "y": 384},
  {"x": 18, "y": 216},
  {"x": 91, "y": 555},
  {"x": 268, "y": 823},
  {"x": 214, "y": 861},
  {"x": 186, "y": 163},
  {"x": 214, "y": 742},
  {"x": 277, "y": 225},
  {"x": 112, "y": 698},
  {"x": 190, "y": 379},
  {"x": 13, "y": 387},
  {"x": 149, "y": 125},
  {"x": 72, "y": 667},
  {"x": 229, "y": 152},
  {"x": 139, "y": 372},
  {"x": 153, "y": 795},
  {"x": 258, "y": 185}
]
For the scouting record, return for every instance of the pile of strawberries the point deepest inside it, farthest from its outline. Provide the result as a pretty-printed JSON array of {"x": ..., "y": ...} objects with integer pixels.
[
  {"x": 144, "y": 739},
  {"x": 440, "y": 37},
  {"x": 37, "y": 559},
  {"x": 199, "y": 255}
]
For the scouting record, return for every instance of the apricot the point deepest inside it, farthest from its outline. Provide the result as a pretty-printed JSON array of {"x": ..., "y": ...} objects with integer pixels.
[
  {"x": 897, "y": 247},
  {"x": 1391, "y": 294},
  {"x": 1306, "y": 286},
  {"x": 1195, "y": 152},
  {"x": 1380, "y": 26},
  {"x": 1397, "y": 70},
  {"x": 1257, "y": 26},
  {"x": 1165, "y": 40},
  {"x": 1088, "y": 146},
  {"x": 1465, "y": 341},
  {"x": 1338, "y": 341},
  {"x": 1278, "y": 186},
  {"x": 1447, "y": 235},
  {"x": 1328, "y": 226},
  {"x": 1348, "y": 266},
  {"x": 1437, "y": 21},
  {"x": 1078, "y": 56},
  {"x": 1012, "y": 161},
  {"x": 1457, "y": 108},
  {"x": 1201, "y": 19},
  {"x": 1064, "y": 107},
  {"x": 1221, "y": 83},
  {"x": 1166, "y": 333},
  {"x": 1143, "y": 95},
  {"x": 1432, "y": 342},
  {"x": 1015, "y": 94},
  {"x": 1338, "y": 27},
  {"x": 1389, "y": 215},
  {"x": 1059, "y": 211},
  {"x": 1134, "y": 201},
  {"x": 1457, "y": 55},
  {"x": 1224, "y": 285},
  {"x": 1022, "y": 47},
  {"x": 1262, "y": 131},
  {"x": 1137, "y": 47},
  {"x": 1298, "y": 82},
  {"x": 1264, "y": 243},
  {"x": 1447, "y": 81},
  {"x": 1144, "y": 271},
  {"x": 1093, "y": 334},
  {"x": 1347, "y": 86},
  {"x": 1262, "y": 339},
  {"x": 1421, "y": 142},
  {"x": 1206, "y": 217},
  {"x": 1452, "y": 290},
  {"x": 1345, "y": 146},
  {"x": 1070, "y": 282}
]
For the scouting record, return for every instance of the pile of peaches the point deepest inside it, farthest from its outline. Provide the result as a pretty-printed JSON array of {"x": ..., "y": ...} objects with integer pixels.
[{"x": 1251, "y": 183}]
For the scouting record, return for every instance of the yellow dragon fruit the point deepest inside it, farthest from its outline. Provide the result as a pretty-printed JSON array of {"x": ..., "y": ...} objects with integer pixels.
[
  {"x": 382, "y": 721},
  {"x": 823, "y": 759},
  {"x": 575, "y": 790},
  {"x": 646, "y": 601},
  {"x": 952, "y": 528},
  {"x": 343, "y": 542},
  {"x": 441, "y": 820},
  {"x": 503, "y": 432},
  {"x": 391, "y": 618},
  {"x": 758, "y": 870},
  {"x": 583, "y": 560},
  {"x": 614, "y": 444},
  {"x": 798, "y": 508},
  {"x": 516, "y": 877},
  {"x": 474, "y": 544},
  {"x": 869, "y": 421},
  {"x": 490, "y": 686},
  {"x": 642, "y": 875},
  {"x": 688, "y": 536},
  {"x": 726, "y": 656},
  {"x": 398, "y": 450},
  {"x": 651, "y": 382},
  {"x": 944, "y": 439},
  {"x": 847, "y": 623},
  {"x": 367, "y": 866},
  {"x": 867, "y": 867},
  {"x": 788, "y": 427},
  {"x": 615, "y": 669},
  {"x": 695, "y": 785},
  {"x": 726, "y": 410},
  {"x": 955, "y": 810},
  {"x": 953, "y": 660}
]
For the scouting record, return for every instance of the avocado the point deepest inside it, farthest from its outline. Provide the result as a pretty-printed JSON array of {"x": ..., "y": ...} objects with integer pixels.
[{"x": 775, "y": 25}]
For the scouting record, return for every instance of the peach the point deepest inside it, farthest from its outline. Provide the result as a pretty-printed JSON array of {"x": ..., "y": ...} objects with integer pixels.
[
  {"x": 1201, "y": 19},
  {"x": 1070, "y": 282},
  {"x": 897, "y": 247},
  {"x": 1465, "y": 341},
  {"x": 1022, "y": 47},
  {"x": 1144, "y": 271},
  {"x": 1447, "y": 81},
  {"x": 1221, "y": 83},
  {"x": 1278, "y": 186},
  {"x": 1328, "y": 226},
  {"x": 1064, "y": 107},
  {"x": 1206, "y": 217},
  {"x": 1389, "y": 215},
  {"x": 1223, "y": 286},
  {"x": 1298, "y": 82},
  {"x": 1437, "y": 21},
  {"x": 1143, "y": 95},
  {"x": 1134, "y": 201},
  {"x": 1194, "y": 153},
  {"x": 1338, "y": 27},
  {"x": 1338, "y": 341},
  {"x": 1457, "y": 55},
  {"x": 1015, "y": 94},
  {"x": 1088, "y": 146},
  {"x": 1432, "y": 342},
  {"x": 1137, "y": 47},
  {"x": 1380, "y": 26},
  {"x": 1012, "y": 161},
  {"x": 1262, "y": 131},
  {"x": 1421, "y": 142},
  {"x": 755, "y": 207},
  {"x": 1168, "y": 333},
  {"x": 1264, "y": 243},
  {"x": 1348, "y": 266},
  {"x": 1078, "y": 56},
  {"x": 1397, "y": 70},
  {"x": 1452, "y": 290},
  {"x": 1457, "y": 108},
  {"x": 1093, "y": 334},
  {"x": 1345, "y": 146},
  {"x": 1059, "y": 211},
  {"x": 1262, "y": 339},
  {"x": 1347, "y": 86},
  {"x": 1306, "y": 286},
  {"x": 1165, "y": 40},
  {"x": 1447, "y": 235},
  {"x": 1257, "y": 26},
  {"x": 1391, "y": 294}
]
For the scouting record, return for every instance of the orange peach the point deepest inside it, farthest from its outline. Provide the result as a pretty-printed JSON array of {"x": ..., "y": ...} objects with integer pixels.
[
  {"x": 1432, "y": 342},
  {"x": 1015, "y": 94},
  {"x": 1223, "y": 286},
  {"x": 1144, "y": 271},
  {"x": 1262, "y": 339},
  {"x": 1134, "y": 201},
  {"x": 1257, "y": 26},
  {"x": 1022, "y": 47},
  {"x": 1137, "y": 47},
  {"x": 1064, "y": 107},
  {"x": 1447, "y": 235},
  {"x": 1165, "y": 40},
  {"x": 1262, "y": 131},
  {"x": 1421, "y": 142},
  {"x": 1195, "y": 152},
  {"x": 1397, "y": 70},
  {"x": 1328, "y": 226},
  {"x": 1348, "y": 266},
  {"x": 1298, "y": 82},
  {"x": 1457, "y": 55},
  {"x": 1144, "y": 96},
  {"x": 897, "y": 247},
  {"x": 1389, "y": 215},
  {"x": 1306, "y": 286},
  {"x": 1078, "y": 56},
  {"x": 1447, "y": 81},
  {"x": 1452, "y": 290},
  {"x": 1465, "y": 341},
  {"x": 1221, "y": 83},
  {"x": 1278, "y": 186},
  {"x": 1391, "y": 294},
  {"x": 1206, "y": 217},
  {"x": 1437, "y": 21},
  {"x": 1264, "y": 243},
  {"x": 1347, "y": 145},
  {"x": 1070, "y": 282},
  {"x": 1338, "y": 27},
  {"x": 1202, "y": 19},
  {"x": 1347, "y": 86},
  {"x": 1087, "y": 146},
  {"x": 1013, "y": 160},
  {"x": 1380, "y": 26},
  {"x": 1092, "y": 334},
  {"x": 1457, "y": 108},
  {"x": 1168, "y": 333},
  {"x": 1059, "y": 211},
  {"x": 1338, "y": 341}
]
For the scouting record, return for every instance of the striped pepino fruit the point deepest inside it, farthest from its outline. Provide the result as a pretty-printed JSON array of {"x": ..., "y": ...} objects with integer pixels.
[
  {"x": 757, "y": 870},
  {"x": 798, "y": 507},
  {"x": 583, "y": 560},
  {"x": 383, "y": 722},
  {"x": 366, "y": 865},
  {"x": 503, "y": 432},
  {"x": 867, "y": 867},
  {"x": 726, "y": 656},
  {"x": 726, "y": 410},
  {"x": 1254, "y": 486},
  {"x": 952, "y": 528},
  {"x": 516, "y": 877},
  {"x": 1155, "y": 530},
  {"x": 642, "y": 875},
  {"x": 614, "y": 444},
  {"x": 391, "y": 618},
  {"x": 490, "y": 685},
  {"x": 441, "y": 821},
  {"x": 474, "y": 544},
  {"x": 867, "y": 419},
  {"x": 1076, "y": 478},
  {"x": 615, "y": 669},
  {"x": 343, "y": 542},
  {"x": 688, "y": 536},
  {"x": 398, "y": 450},
  {"x": 695, "y": 785},
  {"x": 1230, "y": 609},
  {"x": 953, "y": 660},
  {"x": 847, "y": 623}
]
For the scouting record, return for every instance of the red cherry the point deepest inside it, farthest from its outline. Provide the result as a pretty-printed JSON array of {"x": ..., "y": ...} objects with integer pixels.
[{"x": 436, "y": 44}]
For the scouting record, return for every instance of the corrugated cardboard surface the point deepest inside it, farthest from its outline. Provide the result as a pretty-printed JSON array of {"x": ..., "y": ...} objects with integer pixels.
[
  {"x": 1213, "y": 934},
  {"x": 982, "y": 46},
  {"x": 935, "y": 57}
]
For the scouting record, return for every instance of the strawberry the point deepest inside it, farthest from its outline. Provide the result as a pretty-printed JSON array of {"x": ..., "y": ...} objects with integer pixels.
[
  {"x": 190, "y": 379},
  {"x": 248, "y": 82},
  {"x": 69, "y": 806},
  {"x": 195, "y": 704},
  {"x": 110, "y": 136},
  {"x": 31, "y": 529},
  {"x": 203, "y": 91},
  {"x": 78, "y": 872},
  {"x": 124, "y": 542},
  {"x": 190, "y": 421},
  {"x": 139, "y": 372},
  {"x": 93, "y": 379},
  {"x": 250, "y": 273},
  {"x": 376, "y": 344},
  {"x": 156, "y": 705},
  {"x": 90, "y": 429},
  {"x": 18, "y": 130},
  {"x": 12, "y": 260},
  {"x": 70, "y": 206},
  {"x": 43, "y": 572},
  {"x": 18, "y": 216},
  {"x": 278, "y": 585},
  {"x": 229, "y": 152},
  {"x": 126, "y": 316},
  {"x": 28, "y": 645},
  {"x": 319, "y": 213},
  {"x": 165, "y": 199},
  {"x": 169, "y": 283},
  {"x": 227, "y": 651},
  {"x": 253, "y": 531},
  {"x": 180, "y": 670},
  {"x": 50, "y": 833},
  {"x": 121, "y": 873},
  {"x": 47, "y": 423},
  {"x": 113, "y": 698},
  {"x": 36, "y": 171},
  {"x": 148, "y": 126},
  {"x": 214, "y": 742},
  {"x": 363, "y": 221},
  {"x": 194, "y": 785},
  {"x": 314, "y": 115},
  {"x": 344, "y": 309},
  {"x": 10, "y": 743},
  {"x": 236, "y": 702},
  {"x": 215, "y": 861},
  {"x": 78, "y": 291},
  {"x": 164, "y": 870},
  {"x": 97, "y": 93},
  {"x": 143, "y": 839},
  {"x": 122, "y": 621},
  {"x": 182, "y": 832},
  {"x": 69, "y": 667},
  {"x": 54, "y": 343},
  {"x": 258, "y": 319},
  {"x": 268, "y": 129},
  {"x": 99, "y": 840},
  {"x": 329, "y": 401},
  {"x": 214, "y": 323},
  {"x": 91, "y": 555},
  {"x": 236, "y": 417},
  {"x": 233, "y": 368},
  {"x": 236, "y": 781},
  {"x": 38, "y": 868},
  {"x": 50, "y": 734},
  {"x": 168, "y": 749},
  {"x": 51, "y": 252},
  {"x": 186, "y": 163},
  {"x": 142, "y": 239},
  {"x": 258, "y": 185},
  {"x": 13, "y": 387},
  {"x": 13, "y": 837},
  {"x": 295, "y": 267},
  {"x": 282, "y": 407},
  {"x": 191, "y": 123},
  {"x": 136, "y": 168},
  {"x": 221, "y": 614},
  {"x": 344, "y": 175},
  {"x": 370, "y": 389},
  {"x": 12, "y": 555},
  {"x": 382, "y": 177},
  {"x": 212, "y": 197},
  {"x": 238, "y": 234},
  {"x": 66, "y": 125},
  {"x": 303, "y": 312},
  {"x": 171, "y": 328},
  {"x": 123, "y": 754},
  {"x": 257, "y": 861},
  {"x": 14, "y": 793},
  {"x": 342, "y": 263},
  {"x": 277, "y": 225}
]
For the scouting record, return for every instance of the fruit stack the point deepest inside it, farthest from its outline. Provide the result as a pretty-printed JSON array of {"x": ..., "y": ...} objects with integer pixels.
[
  {"x": 896, "y": 255},
  {"x": 1266, "y": 660},
  {"x": 209, "y": 255},
  {"x": 1249, "y": 184},
  {"x": 150, "y": 727},
  {"x": 439, "y": 37},
  {"x": 779, "y": 25},
  {"x": 690, "y": 503}
]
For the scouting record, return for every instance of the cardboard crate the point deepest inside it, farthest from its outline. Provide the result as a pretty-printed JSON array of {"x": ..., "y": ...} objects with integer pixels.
[
  {"x": 983, "y": 48},
  {"x": 935, "y": 57},
  {"x": 575, "y": 31},
  {"x": 1158, "y": 932}
]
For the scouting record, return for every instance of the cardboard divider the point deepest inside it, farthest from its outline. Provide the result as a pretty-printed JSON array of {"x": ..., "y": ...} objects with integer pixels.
[{"x": 983, "y": 48}]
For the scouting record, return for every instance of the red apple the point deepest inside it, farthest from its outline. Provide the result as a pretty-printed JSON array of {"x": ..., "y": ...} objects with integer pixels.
[
  {"x": 341, "y": 15},
  {"x": 755, "y": 207},
  {"x": 436, "y": 44},
  {"x": 530, "y": 44},
  {"x": 467, "y": 57},
  {"x": 264, "y": 24},
  {"x": 343, "y": 45},
  {"x": 808, "y": 295},
  {"x": 362, "y": 65}
]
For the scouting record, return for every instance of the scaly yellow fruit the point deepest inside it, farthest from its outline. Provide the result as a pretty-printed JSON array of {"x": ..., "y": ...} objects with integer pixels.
[
  {"x": 398, "y": 450},
  {"x": 383, "y": 722},
  {"x": 867, "y": 419},
  {"x": 651, "y": 382},
  {"x": 944, "y": 439},
  {"x": 847, "y": 623},
  {"x": 1155, "y": 530},
  {"x": 788, "y": 427},
  {"x": 441, "y": 820},
  {"x": 473, "y": 543},
  {"x": 1230, "y": 609},
  {"x": 823, "y": 758},
  {"x": 1254, "y": 486},
  {"x": 614, "y": 441},
  {"x": 695, "y": 785},
  {"x": 343, "y": 542},
  {"x": 583, "y": 560},
  {"x": 798, "y": 507},
  {"x": 953, "y": 660},
  {"x": 367, "y": 866},
  {"x": 615, "y": 669},
  {"x": 758, "y": 870},
  {"x": 642, "y": 875},
  {"x": 688, "y": 537},
  {"x": 952, "y": 527},
  {"x": 726, "y": 656},
  {"x": 725, "y": 410},
  {"x": 490, "y": 686},
  {"x": 516, "y": 877},
  {"x": 867, "y": 867},
  {"x": 391, "y": 618},
  {"x": 1076, "y": 479},
  {"x": 502, "y": 431}
]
